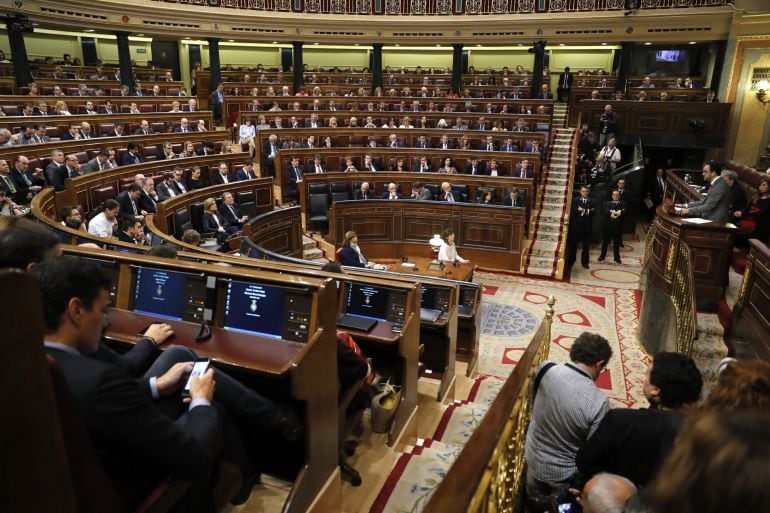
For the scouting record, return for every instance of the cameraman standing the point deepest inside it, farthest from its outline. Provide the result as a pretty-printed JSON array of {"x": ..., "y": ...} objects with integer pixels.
[{"x": 566, "y": 409}]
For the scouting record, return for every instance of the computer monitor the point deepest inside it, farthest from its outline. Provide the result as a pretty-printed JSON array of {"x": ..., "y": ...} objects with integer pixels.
[
  {"x": 374, "y": 302},
  {"x": 110, "y": 268},
  {"x": 170, "y": 294},
  {"x": 272, "y": 311},
  {"x": 435, "y": 298}
]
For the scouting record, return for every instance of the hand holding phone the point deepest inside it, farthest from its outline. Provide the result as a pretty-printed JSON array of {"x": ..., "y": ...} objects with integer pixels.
[{"x": 200, "y": 368}]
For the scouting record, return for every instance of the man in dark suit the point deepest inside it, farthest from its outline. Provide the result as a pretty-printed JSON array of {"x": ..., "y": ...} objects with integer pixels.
[
  {"x": 318, "y": 165},
  {"x": 523, "y": 170},
  {"x": 369, "y": 164},
  {"x": 514, "y": 199},
  {"x": 131, "y": 231},
  {"x": 423, "y": 142},
  {"x": 565, "y": 83},
  {"x": 475, "y": 167},
  {"x": 363, "y": 193},
  {"x": 138, "y": 444},
  {"x": 230, "y": 211},
  {"x": 716, "y": 205},
  {"x": 580, "y": 226},
  {"x": 133, "y": 155},
  {"x": 270, "y": 151},
  {"x": 27, "y": 184},
  {"x": 391, "y": 193},
  {"x": 423, "y": 166},
  {"x": 293, "y": 174},
  {"x": 56, "y": 172},
  {"x": 216, "y": 99},
  {"x": 613, "y": 226},
  {"x": 445, "y": 143},
  {"x": 246, "y": 172},
  {"x": 544, "y": 93},
  {"x": 446, "y": 193},
  {"x": 129, "y": 203},
  {"x": 148, "y": 199},
  {"x": 657, "y": 188},
  {"x": 222, "y": 176},
  {"x": 166, "y": 188}
]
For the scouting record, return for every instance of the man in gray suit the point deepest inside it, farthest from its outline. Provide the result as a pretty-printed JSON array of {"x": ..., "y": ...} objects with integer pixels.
[
  {"x": 419, "y": 192},
  {"x": 715, "y": 207}
]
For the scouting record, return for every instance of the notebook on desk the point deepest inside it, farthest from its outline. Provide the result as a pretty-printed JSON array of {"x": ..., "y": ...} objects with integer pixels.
[
  {"x": 355, "y": 322},
  {"x": 429, "y": 315}
]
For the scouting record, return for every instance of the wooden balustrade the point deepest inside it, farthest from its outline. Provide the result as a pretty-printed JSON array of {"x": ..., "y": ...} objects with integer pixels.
[{"x": 751, "y": 314}]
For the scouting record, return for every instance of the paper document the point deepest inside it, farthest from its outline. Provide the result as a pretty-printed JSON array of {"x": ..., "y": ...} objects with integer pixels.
[{"x": 695, "y": 220}]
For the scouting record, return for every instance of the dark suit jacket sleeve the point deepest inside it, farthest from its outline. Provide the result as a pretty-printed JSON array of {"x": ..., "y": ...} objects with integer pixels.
[
  {"x": 598, "y": 451},
  {"x": 135, "y": 361},
  {"x": 209, "y": 225},
  {"x": 216, "y": 179},
  {"x": 122, "y": 416}
]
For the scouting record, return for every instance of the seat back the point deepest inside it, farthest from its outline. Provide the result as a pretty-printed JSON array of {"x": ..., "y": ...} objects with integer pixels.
[
  {"x": 317, "y": 188},
  {"x": 99, "y": 194},
  {"x": 196, "y": 216},
  {"x": 41, "y": 479},
  {"x": 460, "y": 192},
  {"x": 433, "y": 188},
  {"x": 340, "y": 191},
  {"x": 318, "y": 204},
  {"x": 181, "y": 222}
]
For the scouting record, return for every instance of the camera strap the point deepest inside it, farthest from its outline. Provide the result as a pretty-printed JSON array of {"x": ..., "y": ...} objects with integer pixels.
[{"x": 539, "y": 378}]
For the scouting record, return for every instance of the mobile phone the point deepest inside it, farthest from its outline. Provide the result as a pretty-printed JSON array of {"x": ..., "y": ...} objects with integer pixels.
[
  {"x": 199, "y": 369},
  {"x": 565, "y": 508}
]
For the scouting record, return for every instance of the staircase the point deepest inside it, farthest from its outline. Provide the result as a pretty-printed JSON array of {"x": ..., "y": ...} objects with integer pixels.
[
  {"x": 547, "y": 220},
  {"x": 310, "y": 250},
  {"x": 559, "y": 115},
  {"x": 422, "y": 466}
]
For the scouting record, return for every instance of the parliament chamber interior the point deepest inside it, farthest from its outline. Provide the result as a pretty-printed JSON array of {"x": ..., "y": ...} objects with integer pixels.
[{"x": 195, "y": 193}]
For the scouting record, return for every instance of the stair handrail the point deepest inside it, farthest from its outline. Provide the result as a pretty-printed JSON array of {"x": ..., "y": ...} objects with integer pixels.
[
  {"x": 487, "y": 474},
  {"x": 560, "y": 257}
]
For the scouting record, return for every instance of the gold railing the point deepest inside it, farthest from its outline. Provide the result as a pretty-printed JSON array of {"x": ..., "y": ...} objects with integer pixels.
[
  {"x": 486, "y": 476},
  {"x": 683, "y": 299},
  {"x": 648, "y": 241}
]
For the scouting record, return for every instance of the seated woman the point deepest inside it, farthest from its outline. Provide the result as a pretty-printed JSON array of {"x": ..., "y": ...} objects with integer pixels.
[
  {"x": 350, "y": 167},
  {"x": 487, "y": 199},
  {"x": 262, "y": 123},
  {"x": 399, "y": 167},
  {"x": 448, "y": 253},
  {"x": 189, "y": 150},
  {"x": 247, "y": 134},
  {"x": 214, "y": 222},
  {"x": 448, "y": 167},
  {"x": 350, "y": 254}
]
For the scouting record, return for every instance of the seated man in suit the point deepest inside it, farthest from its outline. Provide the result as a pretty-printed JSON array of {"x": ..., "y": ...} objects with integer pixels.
[
  {"x": 166, "y": 188},
  {"x": 246, "y": 172},
  {"x": 231, "y": 212},
  {"x": 423, "y": 166},
  {"x": 318, "y": 165},
  {"x": 446, "y": 193},
  {"x": 715, "y": 206},
  {"x": 148, "y": 199},
  {"x": 144, "y": 128},
  {"x": 445, "y": 143},
  {"x": 363, "y": 193},
  {"x": 222, "y": 175},
  {"x": 129, "y": 203},
  {"x": 131, "y": 231},
  {"x": 269, "y": 153},
  {"x": 293, "y": 174},
  {"x": 475, "y": 167},
  {"x": 514, "y": 199},
  {"x": 99, "y": 163},
  {"x": 422, "y": 142},
  {"x": 133, "y": 155},
  {"x": 524, "y": 170},
  {"x": 419, "y": 192},
  {"x": 391, "y": 193},
  {"x": 138, "y": 443},
  {"x": 369, "y": 164}
]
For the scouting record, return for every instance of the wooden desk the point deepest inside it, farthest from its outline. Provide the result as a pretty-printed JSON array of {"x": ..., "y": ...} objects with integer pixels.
[
  {"x": 487, "y": 235},
  {"x": 711, "y": 245},
  {"x": 463, "y": 272},
  {"x": 751, "y": 315}
]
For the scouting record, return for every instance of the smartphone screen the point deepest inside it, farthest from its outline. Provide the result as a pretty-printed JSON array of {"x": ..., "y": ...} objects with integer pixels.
[
  {"x": 565, "y": 508},
  {"x": 199, "y": 369}
]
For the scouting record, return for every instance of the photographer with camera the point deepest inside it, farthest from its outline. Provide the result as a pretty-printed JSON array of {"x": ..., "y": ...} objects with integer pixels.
[{"x": 567, "y": 407}]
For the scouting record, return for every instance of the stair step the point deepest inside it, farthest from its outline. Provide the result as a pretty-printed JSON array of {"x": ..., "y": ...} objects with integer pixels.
[{"x": 312, "y": 254}]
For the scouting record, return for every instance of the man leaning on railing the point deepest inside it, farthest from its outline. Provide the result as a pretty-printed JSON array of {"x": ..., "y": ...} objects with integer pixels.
[{"x": 566, "y": 409}]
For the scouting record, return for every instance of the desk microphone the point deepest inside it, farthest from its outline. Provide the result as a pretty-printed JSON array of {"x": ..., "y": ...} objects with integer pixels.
[{"x": 204, "y": 333}]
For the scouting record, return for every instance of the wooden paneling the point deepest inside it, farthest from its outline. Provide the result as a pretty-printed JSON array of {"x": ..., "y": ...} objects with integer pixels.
[{"x": 751, "y": 315}]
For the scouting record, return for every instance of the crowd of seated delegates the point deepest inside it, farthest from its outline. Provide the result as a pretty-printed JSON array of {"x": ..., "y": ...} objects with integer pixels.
[
  {"x": 671, "y": 456},
  {"x": 167, "y": 435}
]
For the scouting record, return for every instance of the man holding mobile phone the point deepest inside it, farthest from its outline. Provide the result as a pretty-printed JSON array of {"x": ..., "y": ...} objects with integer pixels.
[{"x": 138, "y": 444}]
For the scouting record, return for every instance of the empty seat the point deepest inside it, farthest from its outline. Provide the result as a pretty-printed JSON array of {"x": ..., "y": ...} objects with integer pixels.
[
  {"x": 340, "y": 191},
  {"x": 182, "y": 222},
  {"x": 433, "y": 188},
  {"x": 460, "y": 192},
  {"x": 101, "y": 193},
  {"x": 196, "y": 216}
]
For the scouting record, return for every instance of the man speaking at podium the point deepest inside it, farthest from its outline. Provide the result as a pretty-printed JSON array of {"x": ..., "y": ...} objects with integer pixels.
[{"x": 715, "y": 206}]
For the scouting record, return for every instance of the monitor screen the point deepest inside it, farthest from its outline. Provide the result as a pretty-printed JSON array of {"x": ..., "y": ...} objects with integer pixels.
[
  {"x": 161, "y": 292},
  {"x": 669, "y": 55},
  {"x": 255, "y": 308},
  {"x": 435, "y": 298},
  {"x": 367, "y": 301}
]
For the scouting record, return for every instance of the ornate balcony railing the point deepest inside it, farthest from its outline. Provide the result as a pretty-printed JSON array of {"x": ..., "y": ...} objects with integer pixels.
[{"x": 443, "y": 7}]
